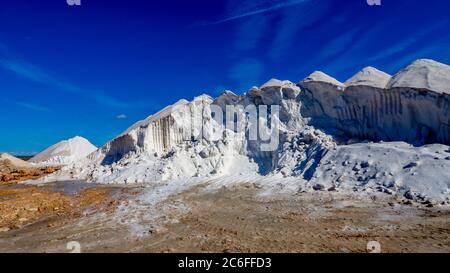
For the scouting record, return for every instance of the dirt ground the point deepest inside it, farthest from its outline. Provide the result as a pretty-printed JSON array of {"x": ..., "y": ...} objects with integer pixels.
[
  {"x": 236, "y": 221},
  {"x": 233, "y": 219},
  {"x": 12, "y": 175},
  {"x": 20, "y": 206}
]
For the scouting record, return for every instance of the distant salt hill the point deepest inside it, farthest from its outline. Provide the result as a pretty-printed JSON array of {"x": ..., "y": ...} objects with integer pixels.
[
  {"x": 9, "y": 162},
  {"x": 64, "y": 152}
]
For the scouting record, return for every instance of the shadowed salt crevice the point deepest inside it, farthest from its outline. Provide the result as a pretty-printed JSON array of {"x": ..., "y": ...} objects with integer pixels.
[
  {"x": 308, "y": 167},
  {"x": 117, "y": 149}
]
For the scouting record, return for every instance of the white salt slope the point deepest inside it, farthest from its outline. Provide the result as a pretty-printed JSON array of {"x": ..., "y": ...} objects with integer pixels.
[
  {"x": 391, "y": 167},
  {"x": 167, "y": 145},
  {"x": 65, "y": 152},
  {"x": 277, "y": 83},
  {"x": 424, "y": 74},
  {"x": 319, "y": 76},
  {"x": 159, "y": 132},
  {"x": 369, "y": 76},
  {"x": 14, "y": 161}
]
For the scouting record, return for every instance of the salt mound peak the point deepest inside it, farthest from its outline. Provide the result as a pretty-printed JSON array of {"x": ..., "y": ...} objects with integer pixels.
[
  {"x": 277, "y": 83},
  {"x": 228, "y": 93},
  {"x": 369, "y": 76},
  {"x": 12, "y": 160},
  {"x": 204, "y": 98},
  {"x": 166, "y": 111},
  {"x": 65, "y": 152},
  {"x": 254, "y": 92},
  {"x": 423, "y": 74},
  {"x": 319, "y": 76},
  {"x": 226, "y": 98}
]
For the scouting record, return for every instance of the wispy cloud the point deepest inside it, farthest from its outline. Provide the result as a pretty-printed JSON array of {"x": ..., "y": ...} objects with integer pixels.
[
  {"x": 407, "y": 42},
  {"x": 27, "y": 105},
  {"x": 34, "y": 107},
  {"x": 337, "y": 46},
  {"x": 250, "y": 32},
  {"x": 34, "y": 73},
  {"x": 121, "y": 116},
  {"x": 24, "y": 70},
  {"x": 396, "y": 54},
  {"x": 293, "y": 20},
  {"x": 431, "y": 51},
  {"x": 257, "y": 7}
]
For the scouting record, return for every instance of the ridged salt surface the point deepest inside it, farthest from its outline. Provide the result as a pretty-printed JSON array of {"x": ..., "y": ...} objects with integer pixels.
[{"x": 319, "y": 118}]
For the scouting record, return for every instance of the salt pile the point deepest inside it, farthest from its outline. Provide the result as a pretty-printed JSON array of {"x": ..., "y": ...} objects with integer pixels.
[
  {"x": 324, "y": 138},
  {"x": 9, "y": 161},
  {"x": 370, "y": 76},
  {"x": 64, "y": 152}
]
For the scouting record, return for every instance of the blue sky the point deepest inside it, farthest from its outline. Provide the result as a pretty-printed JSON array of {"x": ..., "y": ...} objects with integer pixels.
[{"x": 93, "y": 70}]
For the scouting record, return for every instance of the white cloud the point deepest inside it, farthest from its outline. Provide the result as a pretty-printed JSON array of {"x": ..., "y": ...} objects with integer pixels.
[
  {"x": 257, "y": 7},
  {"x": 250, "y": 32},
  {"x": 34, "y": 107},
  {"x": 29, "y": 71}
]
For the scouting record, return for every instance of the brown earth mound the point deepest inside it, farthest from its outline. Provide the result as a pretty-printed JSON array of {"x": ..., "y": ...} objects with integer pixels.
[{"x": 24, "y": 205}]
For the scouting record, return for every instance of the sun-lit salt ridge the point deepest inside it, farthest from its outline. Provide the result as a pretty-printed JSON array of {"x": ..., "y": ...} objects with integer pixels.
[
  {"x": 422, "y": 74},
  {"x": 318, "y": 117}
]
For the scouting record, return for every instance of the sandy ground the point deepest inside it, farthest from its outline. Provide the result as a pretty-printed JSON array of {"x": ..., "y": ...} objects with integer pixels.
[{"x": 234, "y": 219}]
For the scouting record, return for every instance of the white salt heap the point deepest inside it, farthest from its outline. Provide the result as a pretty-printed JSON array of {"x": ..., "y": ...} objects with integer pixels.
[
  {"x": 64, "y": 152},
  {"x": 319, "y": 76},
  {"x": 424, "y": 74},
  {"x": 325, "y": 140},
  {"x": 8, "y": 159},
  {"x": 369, "y": 76}
]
